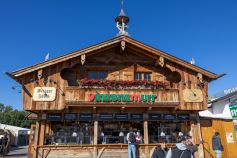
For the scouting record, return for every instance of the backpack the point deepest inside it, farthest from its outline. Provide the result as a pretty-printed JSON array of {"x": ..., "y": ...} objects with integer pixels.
[
  {"x": 176, "y": 153},
  {"x": 131, "y": 138}
]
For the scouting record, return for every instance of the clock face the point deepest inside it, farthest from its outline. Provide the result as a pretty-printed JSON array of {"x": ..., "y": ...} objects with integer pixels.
[{"x": 193, "y": 95}]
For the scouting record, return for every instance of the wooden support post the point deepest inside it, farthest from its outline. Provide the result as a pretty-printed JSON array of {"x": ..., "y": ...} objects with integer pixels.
[
  {"x": 95, "y": 138},
  {"x": 36, "y": 141},
  {"x": 197, "y": 138},
  {"x": 42, "y": 132},
  {"x": 146, "y": 140}
]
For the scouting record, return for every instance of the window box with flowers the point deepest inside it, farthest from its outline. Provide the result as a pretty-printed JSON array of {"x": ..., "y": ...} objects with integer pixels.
[{"x": 112, "y": 84}]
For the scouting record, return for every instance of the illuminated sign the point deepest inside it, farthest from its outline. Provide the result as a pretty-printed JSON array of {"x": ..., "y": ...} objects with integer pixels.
[{"x": 146, "y": 98}]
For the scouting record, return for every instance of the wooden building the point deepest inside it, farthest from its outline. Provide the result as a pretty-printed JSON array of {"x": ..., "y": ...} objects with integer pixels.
[
  {"x": 87, "y": 100},
  {"x": 219, "y": 118}
]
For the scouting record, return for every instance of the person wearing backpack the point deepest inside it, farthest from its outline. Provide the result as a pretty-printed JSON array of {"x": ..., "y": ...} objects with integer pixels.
[
  {"x": 180, "y": 151},
  {"x": 161, "y": 150},
  {"x": 131, "y": 138}
]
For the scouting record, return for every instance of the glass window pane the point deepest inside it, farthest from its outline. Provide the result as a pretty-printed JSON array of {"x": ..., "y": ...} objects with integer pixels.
[
  {"x": 92, "y": 75},
  {"x": 138, "y": 76},
  {"x": 147, "y": 76}
]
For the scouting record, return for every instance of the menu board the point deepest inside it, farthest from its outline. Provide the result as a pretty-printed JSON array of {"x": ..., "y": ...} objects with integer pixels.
[
  {"x": 121, "y": 117},
  {"x": 54, "y": 117},
  {"x": 70, "y": 116},
  {"x": 106, "y": 117},
  {"x": 183, "y": 117},
  {"x": 169, "y": 117},
  {"x": 154, "y": 117},
  {"x": 85, "y": 117},
  {"x": 136, "y": 116}
]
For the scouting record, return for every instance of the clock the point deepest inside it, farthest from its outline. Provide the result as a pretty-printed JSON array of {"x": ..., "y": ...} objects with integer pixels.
[{"x": 193, "y": 95}]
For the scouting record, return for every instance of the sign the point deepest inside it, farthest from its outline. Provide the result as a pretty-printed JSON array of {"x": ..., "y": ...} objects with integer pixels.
[
  {"x": 85, "y": 117},
  {"x": 154, "y": 117},
  {"x": 231, "y": 90},
  {"x": 70, "y": 116},
  {"x": 121, "y": 117},
  {"x": 229, "y": 137},
  {"x": 54, "y": 117},
  {"x": 106, "y": 117},
  {"x": 136, "y": 97},
  {"x": 183, "y": 117},
  {"x": 169, "y": 117},
  {"x": 136, "y": 117},
  {"x": 233, "y": 110},
  {"x": 44, "y": 94},
  {"x": 122, "y": 97}
]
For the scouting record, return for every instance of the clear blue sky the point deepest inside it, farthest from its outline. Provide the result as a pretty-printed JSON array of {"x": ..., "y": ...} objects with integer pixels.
[{"x": 203, "y": 29}]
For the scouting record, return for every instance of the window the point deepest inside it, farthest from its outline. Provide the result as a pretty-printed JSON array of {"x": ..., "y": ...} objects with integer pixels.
[
  {"x": 138, "y": 76},
  {"x": 147, "y": 76},
  {"x": 142, "y": 76},
  {"x": 97, "y": 75}
]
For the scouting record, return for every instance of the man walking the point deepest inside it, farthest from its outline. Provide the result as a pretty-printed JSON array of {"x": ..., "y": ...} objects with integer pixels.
[
  {"x": 216, "y": 145},
  {"x": 131, "y": 138}
]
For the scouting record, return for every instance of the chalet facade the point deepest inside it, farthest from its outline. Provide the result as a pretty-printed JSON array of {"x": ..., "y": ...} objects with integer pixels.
[{"x": 87, "y": 101}]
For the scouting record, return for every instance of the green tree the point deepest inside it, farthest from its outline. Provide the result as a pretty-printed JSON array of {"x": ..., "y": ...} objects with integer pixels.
[{"x": 11, "y": 116}]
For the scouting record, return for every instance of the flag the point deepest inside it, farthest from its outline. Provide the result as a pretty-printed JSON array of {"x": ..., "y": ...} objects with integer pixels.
[{"x": 46, "y": 57}]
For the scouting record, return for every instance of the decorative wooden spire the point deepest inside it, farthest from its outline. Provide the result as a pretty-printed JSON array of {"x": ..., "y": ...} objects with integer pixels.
[{"x": 122, "y": 22}]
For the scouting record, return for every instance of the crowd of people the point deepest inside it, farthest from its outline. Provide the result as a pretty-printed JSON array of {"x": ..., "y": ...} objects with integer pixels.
[{"x": 184, "y": 147}]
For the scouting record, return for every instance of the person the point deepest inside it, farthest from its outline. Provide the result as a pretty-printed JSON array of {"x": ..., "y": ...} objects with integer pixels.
[
  {"x": 180, "y": 151},
  {"x": 190, "y": 146},
  {"x": 216, "y": 145},
  {"x": 131, "y": 138},
  {"x": 5, "y": 144},
  {"x": 161, "y": 151},
  {"x": 139, "y": 138},
  {"x": 121, "y": 137}
]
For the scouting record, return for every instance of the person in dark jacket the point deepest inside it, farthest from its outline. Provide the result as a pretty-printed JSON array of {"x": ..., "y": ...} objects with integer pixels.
[
  {"x": 190, "y": 146},
  {"x": 161, "y": 151},
  {"x": 180, "y": 151},
  {"x": 216, "y": 145}
]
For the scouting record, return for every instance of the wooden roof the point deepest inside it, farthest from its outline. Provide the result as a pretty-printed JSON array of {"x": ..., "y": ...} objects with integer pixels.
[{"x": 113, "y": 42}]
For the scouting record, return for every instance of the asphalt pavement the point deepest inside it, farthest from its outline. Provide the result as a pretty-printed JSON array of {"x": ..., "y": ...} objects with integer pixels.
[{"x": 17, "y": 152}]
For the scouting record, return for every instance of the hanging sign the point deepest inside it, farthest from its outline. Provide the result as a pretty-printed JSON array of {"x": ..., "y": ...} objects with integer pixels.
[
  {"x": 70, "y": 116},
  {"x": 136, "y": 116},
  {"x": 121, "y": 117},
  {"x": 154, "y": 117},
  {"x": 183, "y": 117},
  {"x": 233, "y": 110},
  {"x": 54, "y": 117},
  {"x": 44, "y": 94},
  {"x": 169, "y": 117},
  {"x": 85, "y": 117}
]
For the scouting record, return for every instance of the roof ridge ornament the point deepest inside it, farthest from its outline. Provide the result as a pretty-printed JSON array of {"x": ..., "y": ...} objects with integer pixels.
[{"x": 122, "y": 22}]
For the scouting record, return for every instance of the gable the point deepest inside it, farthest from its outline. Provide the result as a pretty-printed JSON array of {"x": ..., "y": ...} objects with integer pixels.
[{"x": 122, "y": 42}]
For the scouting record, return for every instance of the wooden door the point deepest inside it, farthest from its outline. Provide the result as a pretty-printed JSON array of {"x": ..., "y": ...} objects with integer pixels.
[{"x": 31, "y": 141}]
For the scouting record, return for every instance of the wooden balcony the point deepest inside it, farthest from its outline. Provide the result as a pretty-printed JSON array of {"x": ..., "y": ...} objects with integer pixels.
[{"x": 122, "y": 97}]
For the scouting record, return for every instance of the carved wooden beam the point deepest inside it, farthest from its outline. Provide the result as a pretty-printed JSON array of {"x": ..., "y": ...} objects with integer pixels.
[
  {"x": 200, "y": 77},
  {"x": 123, "y": 45},
  {"x": 160, "y": 61},
  {"x": 83, "y": 59}
]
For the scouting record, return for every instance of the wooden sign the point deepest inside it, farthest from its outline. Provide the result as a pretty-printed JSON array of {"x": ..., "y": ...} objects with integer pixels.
[{"x": 44, "y": 94}]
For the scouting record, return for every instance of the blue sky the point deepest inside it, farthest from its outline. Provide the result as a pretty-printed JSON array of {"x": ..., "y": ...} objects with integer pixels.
[{"x": 203, "y": 29}]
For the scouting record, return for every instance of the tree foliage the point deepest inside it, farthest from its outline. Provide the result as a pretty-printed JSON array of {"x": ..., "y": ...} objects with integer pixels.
[{"x": 13, "y": 117}]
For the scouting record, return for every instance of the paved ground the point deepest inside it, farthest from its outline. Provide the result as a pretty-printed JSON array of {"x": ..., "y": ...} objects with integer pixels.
[{"x": 18, "y": 152}]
